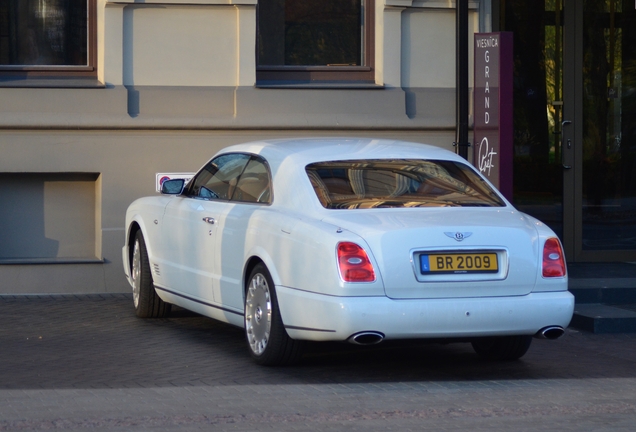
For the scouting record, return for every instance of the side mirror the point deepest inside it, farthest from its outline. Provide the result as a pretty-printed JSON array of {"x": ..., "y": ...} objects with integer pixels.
[{"x": 172, "y": 187}]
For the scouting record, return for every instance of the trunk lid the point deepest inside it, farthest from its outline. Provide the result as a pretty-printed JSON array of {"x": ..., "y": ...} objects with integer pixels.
[{"x": 404, "y": 241}]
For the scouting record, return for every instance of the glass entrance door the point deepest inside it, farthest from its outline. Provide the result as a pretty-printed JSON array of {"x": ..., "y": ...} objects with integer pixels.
[
  {"x": 537, "y": 27},
  {"x": 575, "y": 121},
  {"x": 605, "y": 135}
]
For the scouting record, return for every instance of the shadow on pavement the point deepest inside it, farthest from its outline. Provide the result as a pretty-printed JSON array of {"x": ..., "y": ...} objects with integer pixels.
[{"x": 98, "y": 342}]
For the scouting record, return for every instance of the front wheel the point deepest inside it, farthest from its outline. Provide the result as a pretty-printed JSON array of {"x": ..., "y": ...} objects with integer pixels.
[
  {"x": 147, "y": 302},
  {"x": 266, "y": 336},
  {"x": 502, "y": 348}
]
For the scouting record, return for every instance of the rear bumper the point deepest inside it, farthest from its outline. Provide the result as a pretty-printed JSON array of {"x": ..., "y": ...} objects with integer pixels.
[{"x": 312, "y": 316}]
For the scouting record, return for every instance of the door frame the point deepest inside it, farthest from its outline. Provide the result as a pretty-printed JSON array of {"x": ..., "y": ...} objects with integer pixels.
[
  {"x": 573, "y": 52},
  {"x": 572, "y": 112}
]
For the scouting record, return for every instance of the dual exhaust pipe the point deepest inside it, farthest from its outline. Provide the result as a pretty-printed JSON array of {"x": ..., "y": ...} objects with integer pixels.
[
  {"x": 550, "y": 332},
  {"x": 366, "y": 338},
  {"x": 373, "y": 337}
]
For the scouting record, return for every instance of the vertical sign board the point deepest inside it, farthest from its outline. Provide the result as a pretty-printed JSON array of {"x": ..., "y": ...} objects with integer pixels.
[{"x": 493, "y": 129}]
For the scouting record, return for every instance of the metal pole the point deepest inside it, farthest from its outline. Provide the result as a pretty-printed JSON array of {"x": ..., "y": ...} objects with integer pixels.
[{"x": 461, "y": 28}]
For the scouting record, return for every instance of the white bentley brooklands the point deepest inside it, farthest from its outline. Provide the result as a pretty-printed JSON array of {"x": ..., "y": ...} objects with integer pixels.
[{"x": 356, "y": 240}]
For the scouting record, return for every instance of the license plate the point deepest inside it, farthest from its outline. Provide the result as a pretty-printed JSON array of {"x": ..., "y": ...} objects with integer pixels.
[{"x": 459, "y": 263}]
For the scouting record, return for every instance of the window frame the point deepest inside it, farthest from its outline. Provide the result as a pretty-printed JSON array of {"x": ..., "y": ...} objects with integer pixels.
[
  {"x": 88, "y": 71},
  {"x": 188, "y": 191},
  {"x": 321, "y": 74}
]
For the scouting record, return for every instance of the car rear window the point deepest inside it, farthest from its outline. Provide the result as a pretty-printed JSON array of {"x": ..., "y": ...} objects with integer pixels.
[{"x": 399, "y": 183}]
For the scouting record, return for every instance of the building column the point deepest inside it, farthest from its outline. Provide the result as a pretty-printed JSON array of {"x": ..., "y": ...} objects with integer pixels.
[
  {"x": 246, "y": 36},
  {"x": 111, "y": 45},
  {"x": 388, "y": 58}
]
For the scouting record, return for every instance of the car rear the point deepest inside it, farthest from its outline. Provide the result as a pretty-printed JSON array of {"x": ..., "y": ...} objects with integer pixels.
[{"x": 454, "y": 258}]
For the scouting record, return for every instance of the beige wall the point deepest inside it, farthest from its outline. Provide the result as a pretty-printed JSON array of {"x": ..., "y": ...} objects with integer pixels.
[
  {"x": 170, "y": 46},
  {"x": 176, "y": 83},
  {"x": 127, "y": 162}
]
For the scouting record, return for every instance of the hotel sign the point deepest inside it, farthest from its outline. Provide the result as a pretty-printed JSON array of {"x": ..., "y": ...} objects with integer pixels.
[{"x": 493, "y": 129}]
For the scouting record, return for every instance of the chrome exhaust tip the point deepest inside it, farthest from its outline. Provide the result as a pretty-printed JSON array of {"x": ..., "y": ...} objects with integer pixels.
[
  {"x": 366, "y": 338},
  {"x": 550, "y": 332}
]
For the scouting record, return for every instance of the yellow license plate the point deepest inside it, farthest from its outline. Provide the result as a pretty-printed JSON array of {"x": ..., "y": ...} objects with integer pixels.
[{"x": 459, "y": 263}]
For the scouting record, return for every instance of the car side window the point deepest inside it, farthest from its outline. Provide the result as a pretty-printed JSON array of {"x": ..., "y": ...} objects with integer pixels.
[
  {"x": 218, "y": 179},
  {"x": 254, "y": 185}
]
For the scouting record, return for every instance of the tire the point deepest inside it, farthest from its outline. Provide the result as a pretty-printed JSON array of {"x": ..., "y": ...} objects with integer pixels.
[
  {"x": 504, "y": 348},
  {"x": 147, "y": 302},
  {"x": 267, "y": 340}
]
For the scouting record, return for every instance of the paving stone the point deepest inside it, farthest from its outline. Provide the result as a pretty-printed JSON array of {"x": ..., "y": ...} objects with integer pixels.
[{"x": 87, "y": 363}]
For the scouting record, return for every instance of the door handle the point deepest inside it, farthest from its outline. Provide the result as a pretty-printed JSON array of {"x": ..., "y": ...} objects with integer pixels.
[
  {"x": 568, "y": 145},
  {"x": 209, "y": 220}
]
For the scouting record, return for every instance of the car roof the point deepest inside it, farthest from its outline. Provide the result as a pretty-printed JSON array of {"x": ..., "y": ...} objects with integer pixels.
[
  {"x": 305, "y": 151},
  {"x": 288, "y": 157}
]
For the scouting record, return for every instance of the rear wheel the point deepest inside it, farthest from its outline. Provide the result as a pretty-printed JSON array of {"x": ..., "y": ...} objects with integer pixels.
[
  {"x": 266, "y": 336},
  {"x": 147, "y": 302},
  {"x": 503, "y": 348}
]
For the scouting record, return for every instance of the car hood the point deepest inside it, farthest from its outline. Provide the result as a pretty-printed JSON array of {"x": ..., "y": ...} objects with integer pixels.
[{"x": 397, "y": 237}]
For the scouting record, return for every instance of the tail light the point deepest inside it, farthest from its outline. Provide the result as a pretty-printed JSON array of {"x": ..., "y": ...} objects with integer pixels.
[
  {"x": 354, "y": 263},
  {"x": 553, "y": 259}
]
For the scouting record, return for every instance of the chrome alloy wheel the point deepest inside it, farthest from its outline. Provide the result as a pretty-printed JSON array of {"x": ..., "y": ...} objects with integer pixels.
[
  {"x": 258, "y": 314},
  {"x": 136, "y": 273}
]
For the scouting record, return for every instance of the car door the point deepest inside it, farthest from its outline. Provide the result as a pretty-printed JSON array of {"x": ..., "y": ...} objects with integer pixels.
[
  {"x": 191, "y": 224},
  {"x": 240, "y": 227}
]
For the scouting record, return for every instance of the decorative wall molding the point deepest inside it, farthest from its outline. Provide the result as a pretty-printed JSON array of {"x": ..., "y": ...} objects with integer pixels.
[
  {"x": 184, "y": 2},
  {"x": 431, "y": 4}
]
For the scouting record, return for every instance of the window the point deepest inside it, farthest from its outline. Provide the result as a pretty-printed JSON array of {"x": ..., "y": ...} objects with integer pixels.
[
  {"x": 399, "y": 183},
  {"x": 47, "y": 37},
  {"x": 218, "y": 178},
  {"x": 50, "y": 217},
  {"x": 315, "y": 40},
  {"x": 236, "y": 177},
  {"x": 253, "y": 185}
]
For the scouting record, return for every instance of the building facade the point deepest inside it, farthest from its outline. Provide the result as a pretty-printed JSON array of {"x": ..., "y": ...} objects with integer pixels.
[{"x": 97, "y": 97}]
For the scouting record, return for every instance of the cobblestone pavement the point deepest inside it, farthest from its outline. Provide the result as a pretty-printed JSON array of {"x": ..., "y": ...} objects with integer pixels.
[{"x": 87, "y": 363}]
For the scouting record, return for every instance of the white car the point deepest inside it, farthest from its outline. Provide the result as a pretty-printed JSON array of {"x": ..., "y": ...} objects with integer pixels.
[{"x": 355, "y": 240}]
